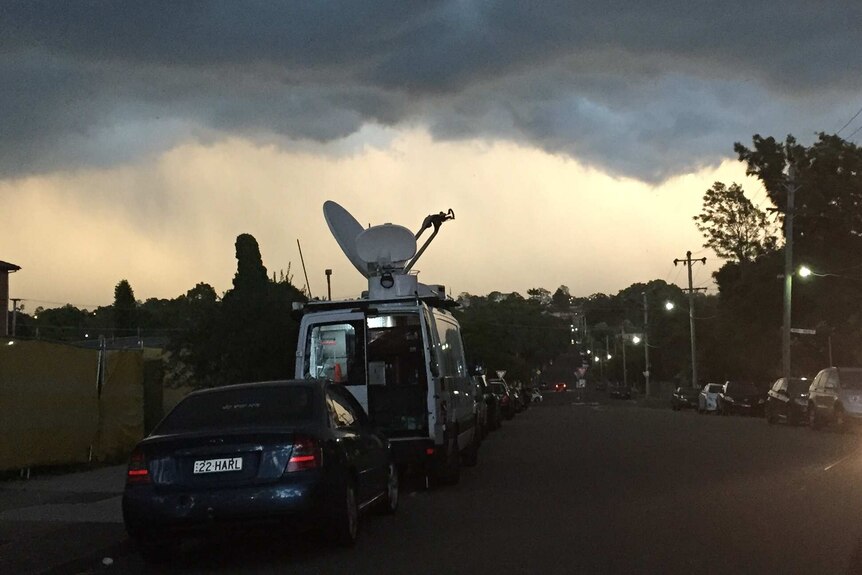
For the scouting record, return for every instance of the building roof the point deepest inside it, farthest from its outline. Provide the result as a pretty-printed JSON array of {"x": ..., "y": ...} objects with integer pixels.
[{"x": 7, "y": 267}]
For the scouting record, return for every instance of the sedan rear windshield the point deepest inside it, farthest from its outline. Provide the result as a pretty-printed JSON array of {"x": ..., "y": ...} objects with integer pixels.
[
  {"x": 713, "y": 388},
  {"x": 850, "y": 379},
  {"x": 241, "y": 408},
  {"x": 498, "y": 387}
]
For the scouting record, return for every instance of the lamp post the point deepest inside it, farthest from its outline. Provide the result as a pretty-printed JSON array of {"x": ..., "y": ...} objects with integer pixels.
[{"x": 646, "y": 346}]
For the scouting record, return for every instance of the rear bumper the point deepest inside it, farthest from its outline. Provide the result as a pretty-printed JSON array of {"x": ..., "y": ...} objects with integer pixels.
[
  {"x": 413, "y": 452},
  {"x": 149, "y": 509}
]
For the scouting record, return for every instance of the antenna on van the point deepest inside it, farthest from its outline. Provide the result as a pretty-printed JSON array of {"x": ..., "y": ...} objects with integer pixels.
[{"x": 435, "y": 220}]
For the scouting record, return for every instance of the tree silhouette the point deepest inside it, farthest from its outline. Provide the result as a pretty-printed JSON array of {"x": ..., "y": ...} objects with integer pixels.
[{"x": 125, "y": 309}]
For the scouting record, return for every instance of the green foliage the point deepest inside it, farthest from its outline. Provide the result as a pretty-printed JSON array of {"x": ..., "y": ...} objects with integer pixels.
[
  {"x": 745, "y": 340},
  {"x": 508, "y": 332},
  {"x": 668, "y": 332},
  {"x": 734, "y": 227},
  {"x": 561, "y": 300},
  {"x": 250, "y": 275},
  {"x": 249, "y": 335}
]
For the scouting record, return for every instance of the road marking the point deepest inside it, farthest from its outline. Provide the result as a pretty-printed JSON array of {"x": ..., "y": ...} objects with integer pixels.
[{"x": 833, "y": 464}]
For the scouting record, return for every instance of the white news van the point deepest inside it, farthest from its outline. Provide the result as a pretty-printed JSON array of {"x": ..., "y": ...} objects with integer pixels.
[{"x": 397, "y": 349}]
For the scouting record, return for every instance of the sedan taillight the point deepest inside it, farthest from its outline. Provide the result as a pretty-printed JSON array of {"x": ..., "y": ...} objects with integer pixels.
[
  {"x": 138, "y": 473},
  {"x": 305, "y": 455}
]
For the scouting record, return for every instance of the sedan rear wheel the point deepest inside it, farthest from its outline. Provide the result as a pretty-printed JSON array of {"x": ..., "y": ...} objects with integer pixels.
[
  {"x": 344, "y": 526},
  {"x": 813, "y": 420},
  {"x": 839, "y": 419}
]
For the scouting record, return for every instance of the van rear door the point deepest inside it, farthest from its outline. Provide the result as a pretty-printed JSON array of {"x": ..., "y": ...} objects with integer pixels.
[{"x": 334, "y": 349}]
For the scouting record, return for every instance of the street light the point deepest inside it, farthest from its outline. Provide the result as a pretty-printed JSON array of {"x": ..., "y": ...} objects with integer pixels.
[
  {"x": 804, "y": 271},
  {"x": 636, "y": 340},
  {"x": 669, "y": 305}
]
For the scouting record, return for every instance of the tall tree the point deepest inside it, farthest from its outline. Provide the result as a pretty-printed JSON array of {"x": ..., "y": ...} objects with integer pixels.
[
  {"x": 562, "y": 299},
  {"x": 827, "y": 235},
  {"x": 125, "y": 309},
  {"x": 250, "y": 272},
  {"x": 734, "y": 227}
]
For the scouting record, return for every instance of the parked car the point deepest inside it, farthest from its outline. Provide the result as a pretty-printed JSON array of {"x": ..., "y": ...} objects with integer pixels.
[
  {"x": 683, "y": 397},
  {"x": 300, "y": 453},
  {"x": 489, "y": 412},
  {"x": 835, "y": 397},
  {"x": 619, "y": 391},
  {"x": 560, "y": 386},
  {"x": 707, "y": 400},
  {"x": 518, "y": 398},
  {"x": 788, "y": 401},
  {"x": 741, "y": 397},
  {"x": 504, "y": 397}
]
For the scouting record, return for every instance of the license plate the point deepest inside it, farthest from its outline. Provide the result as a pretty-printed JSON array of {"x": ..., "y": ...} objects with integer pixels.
[{"x": 218, "y": 465}]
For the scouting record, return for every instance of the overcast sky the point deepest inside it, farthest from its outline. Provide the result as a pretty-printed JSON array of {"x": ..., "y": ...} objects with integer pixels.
[{"x": 574, "y": 140}]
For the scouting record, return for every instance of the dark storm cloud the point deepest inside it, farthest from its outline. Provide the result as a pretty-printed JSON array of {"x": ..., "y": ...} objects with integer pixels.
[{"x": 638, "y": 89}]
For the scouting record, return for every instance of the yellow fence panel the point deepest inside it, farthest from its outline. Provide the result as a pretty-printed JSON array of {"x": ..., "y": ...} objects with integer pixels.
[
  {"x": 49, "y": 407},
  {"x": 121, "y": 405}
]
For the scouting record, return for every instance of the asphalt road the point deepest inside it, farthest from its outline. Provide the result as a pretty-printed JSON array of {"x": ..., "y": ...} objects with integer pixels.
[{"x": 608, "y": 488}]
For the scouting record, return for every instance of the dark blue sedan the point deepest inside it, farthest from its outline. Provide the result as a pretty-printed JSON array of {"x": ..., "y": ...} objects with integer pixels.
[{"x": 298, "y": 454}]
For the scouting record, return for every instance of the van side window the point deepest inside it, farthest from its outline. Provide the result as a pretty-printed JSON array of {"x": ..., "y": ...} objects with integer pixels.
[{"x": 450, "y": 351}]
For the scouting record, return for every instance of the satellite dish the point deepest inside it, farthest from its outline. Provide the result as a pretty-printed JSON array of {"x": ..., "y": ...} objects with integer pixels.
[
  {"x": 386, "y": 247},
  {"x": 345, "y": 229}
]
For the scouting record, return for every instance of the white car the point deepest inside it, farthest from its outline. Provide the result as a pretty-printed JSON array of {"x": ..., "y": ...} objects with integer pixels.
[{"x": 707, "y": 401}]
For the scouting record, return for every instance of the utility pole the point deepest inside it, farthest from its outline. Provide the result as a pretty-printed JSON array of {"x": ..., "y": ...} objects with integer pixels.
[
  {"x": 691, "y": 289},
  {"x": 14, "y": 301},
  {"x": 646, "y": 345},
  {"x": 328, "y": 273},
  {"x": 791, "y": 189},
  {"x": 625, "y": 372}
]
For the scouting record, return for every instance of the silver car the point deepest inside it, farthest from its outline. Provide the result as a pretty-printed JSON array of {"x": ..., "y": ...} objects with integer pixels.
[
  {"x": 835, "y": 397},
  {"x": 707, "y": 401}
]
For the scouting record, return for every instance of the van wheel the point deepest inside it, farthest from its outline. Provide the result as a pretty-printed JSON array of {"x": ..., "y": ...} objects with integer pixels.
[
  {"x": 389, "y": 505},
  {"x": 449, "y": 471}
]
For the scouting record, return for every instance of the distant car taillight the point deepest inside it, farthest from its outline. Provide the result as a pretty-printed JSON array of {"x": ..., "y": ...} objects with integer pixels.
[
  {"x": 138, "y": 473},
  {"x": 305, "y": 455}
]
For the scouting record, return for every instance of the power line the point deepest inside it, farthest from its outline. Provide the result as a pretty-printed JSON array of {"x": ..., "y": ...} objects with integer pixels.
[
  {"x": 848, "y": 123},
  {"x": 854, "y": 132}
]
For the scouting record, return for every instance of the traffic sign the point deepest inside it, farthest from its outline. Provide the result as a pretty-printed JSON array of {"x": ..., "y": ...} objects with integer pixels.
[
  {"x": 803, "y": 331},
  {"x": 501, "y": 373}
]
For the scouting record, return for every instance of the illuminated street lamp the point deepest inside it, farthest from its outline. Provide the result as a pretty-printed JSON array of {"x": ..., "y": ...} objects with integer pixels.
[
  {"x": 669, "y": 305},
  {"x": 804, "y": 271},
  {"x": 636, "y": 340}
]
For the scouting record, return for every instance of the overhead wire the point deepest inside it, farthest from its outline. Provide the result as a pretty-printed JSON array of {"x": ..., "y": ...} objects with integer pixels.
[{"x": 848, "y": 123}]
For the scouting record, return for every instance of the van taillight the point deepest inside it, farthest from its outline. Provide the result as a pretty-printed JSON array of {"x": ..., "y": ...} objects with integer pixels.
[
  {"x": 137, "y": 472},
  {"x": 305, "y": 455}
]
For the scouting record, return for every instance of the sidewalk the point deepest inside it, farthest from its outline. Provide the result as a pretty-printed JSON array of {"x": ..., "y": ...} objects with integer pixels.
[{"x": 50, "y": 521}]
